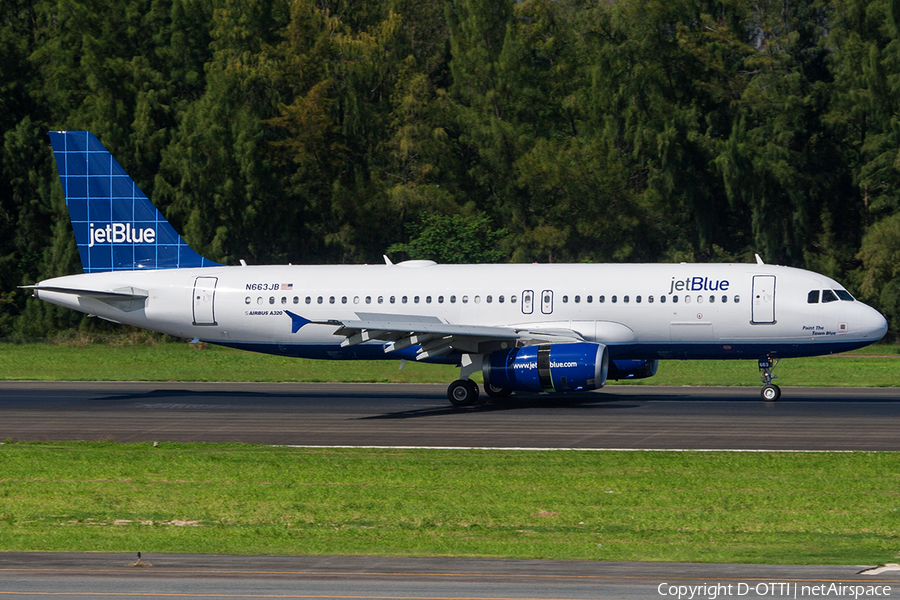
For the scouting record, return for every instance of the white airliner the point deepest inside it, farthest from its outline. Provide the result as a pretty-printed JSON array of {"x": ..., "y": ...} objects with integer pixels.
[{"x": 526, "y": 327}]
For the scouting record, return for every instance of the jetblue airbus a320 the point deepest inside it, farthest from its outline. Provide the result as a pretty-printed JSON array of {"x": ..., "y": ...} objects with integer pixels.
[{"x": 526, "y": 327}]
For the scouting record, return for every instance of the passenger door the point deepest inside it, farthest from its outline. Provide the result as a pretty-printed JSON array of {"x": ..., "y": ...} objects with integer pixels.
[
  {"x": 763, "y": 300},
  {"x": 204, "y": 300}
]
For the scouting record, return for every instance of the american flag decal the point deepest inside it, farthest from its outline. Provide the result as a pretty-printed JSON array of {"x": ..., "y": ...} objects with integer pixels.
[{"x": 287, "y": 286}]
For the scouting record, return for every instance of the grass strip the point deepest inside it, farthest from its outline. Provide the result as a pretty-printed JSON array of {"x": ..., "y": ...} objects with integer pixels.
[
  {"x": 185, "y": 362},
  {"x": 782, "y": 508}
]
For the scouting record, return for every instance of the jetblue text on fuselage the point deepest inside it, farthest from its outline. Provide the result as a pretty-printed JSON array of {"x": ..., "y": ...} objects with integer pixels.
[
  {"x": 698, "y": 284},
  {"x": 121, "y": 233}
]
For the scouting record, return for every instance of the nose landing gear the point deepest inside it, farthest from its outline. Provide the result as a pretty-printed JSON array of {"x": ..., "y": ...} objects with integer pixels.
[{"x": 770, "y": 392}]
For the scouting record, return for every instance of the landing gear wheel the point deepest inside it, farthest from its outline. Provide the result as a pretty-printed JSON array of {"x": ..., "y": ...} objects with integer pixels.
[
  {"x": 463, "y": 392},
  {"x": 496, "y": 392},
  {"x": 771, "y": 393}
]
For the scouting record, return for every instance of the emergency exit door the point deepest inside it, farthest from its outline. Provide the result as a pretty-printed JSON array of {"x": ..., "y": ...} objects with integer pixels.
[
  {"x": 763, "y": 305},
  {"x": 204, "y": 300}
]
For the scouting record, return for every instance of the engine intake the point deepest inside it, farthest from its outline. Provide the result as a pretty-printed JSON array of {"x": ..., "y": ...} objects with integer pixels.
[{"x": 565, "y": 367}]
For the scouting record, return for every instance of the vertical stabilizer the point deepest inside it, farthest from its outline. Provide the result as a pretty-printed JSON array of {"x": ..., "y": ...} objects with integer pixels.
[{"x": 116, "y": 226}]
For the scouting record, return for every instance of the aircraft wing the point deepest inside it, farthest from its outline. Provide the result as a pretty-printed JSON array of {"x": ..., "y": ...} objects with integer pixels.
[{"x": 434, "y": 336}]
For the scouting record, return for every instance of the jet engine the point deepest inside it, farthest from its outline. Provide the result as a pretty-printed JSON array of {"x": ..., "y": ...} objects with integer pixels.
[
  {"x": 565, "y": 367},
  {"x": 632, "y": 369}
]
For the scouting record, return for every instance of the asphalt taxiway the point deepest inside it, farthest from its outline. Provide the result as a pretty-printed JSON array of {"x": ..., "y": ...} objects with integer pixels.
[
  {"x": 624, "y": 417},
  {"x": 70, "y": 576}
]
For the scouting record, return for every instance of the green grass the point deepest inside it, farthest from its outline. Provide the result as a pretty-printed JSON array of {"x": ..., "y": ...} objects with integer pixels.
[
  {"x": 650, "y": 506},
  {"x": 184, "y": 362}
]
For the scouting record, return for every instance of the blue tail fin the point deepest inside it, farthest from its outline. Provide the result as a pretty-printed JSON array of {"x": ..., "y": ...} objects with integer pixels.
[{"x": 116, "y": 226}]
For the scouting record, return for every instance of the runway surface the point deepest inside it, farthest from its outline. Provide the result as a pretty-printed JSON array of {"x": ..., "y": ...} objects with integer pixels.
[
  {"x": 632, "y": 417},
  {"x": 71, "y": 576}
]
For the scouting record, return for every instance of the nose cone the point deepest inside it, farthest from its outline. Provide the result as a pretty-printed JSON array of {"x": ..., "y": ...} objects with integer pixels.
[{"x": 873, "y": 325}]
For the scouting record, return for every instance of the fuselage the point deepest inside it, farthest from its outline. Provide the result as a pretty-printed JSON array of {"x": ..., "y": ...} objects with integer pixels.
[{"x": 639, "y": 311}]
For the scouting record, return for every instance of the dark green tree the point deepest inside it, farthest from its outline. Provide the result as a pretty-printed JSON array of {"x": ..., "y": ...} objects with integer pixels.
[{"x": 454, "y": 239}]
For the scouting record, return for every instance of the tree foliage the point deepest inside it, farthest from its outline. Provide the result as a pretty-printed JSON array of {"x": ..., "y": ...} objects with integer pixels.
[{"x": 310, "y": 131}]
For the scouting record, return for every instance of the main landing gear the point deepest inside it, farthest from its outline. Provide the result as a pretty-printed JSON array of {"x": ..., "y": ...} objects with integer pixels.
[
  {"x": 496, "y": 392},
  {"x": 770, "y": 392},
  {"x": 463, "y": 392}
]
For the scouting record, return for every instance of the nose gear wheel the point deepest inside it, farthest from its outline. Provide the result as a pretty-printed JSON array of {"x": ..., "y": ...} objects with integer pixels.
[{"x": 770, "y": 392}]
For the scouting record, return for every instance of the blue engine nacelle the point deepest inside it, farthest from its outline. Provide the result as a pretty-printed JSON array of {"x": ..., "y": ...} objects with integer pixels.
[
  {"x": 632, "y": 369},
  {"x": 565, "y": 367}
]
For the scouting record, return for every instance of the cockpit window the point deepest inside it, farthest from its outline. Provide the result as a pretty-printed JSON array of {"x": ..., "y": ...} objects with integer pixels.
[
  {"x": 829, "y": 296},
  {"x": 844, "y": 295},
  {"x": 813, "y": 297}
]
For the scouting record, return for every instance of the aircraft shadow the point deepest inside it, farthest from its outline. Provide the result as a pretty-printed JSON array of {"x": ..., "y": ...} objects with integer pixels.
[{"x": 517, "y": 402}]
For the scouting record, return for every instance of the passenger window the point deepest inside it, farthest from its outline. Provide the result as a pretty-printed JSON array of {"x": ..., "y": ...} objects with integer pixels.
[
  {"x": 296, "y": 300},
  {"x": 259, "y": 300},
  {"x": 452, "y": 299},
  {"x": 477, "y": 299},
  {"x": 737, "y": 299},
  {"x": 626, "y": 299},
  {"x": 687, "y": 299},
  {"x": 565, "y": 299},
  {"x": 308, "y": 300},
  {"x": 380, "y": 299},
  {"x": 403, "y": 299},
  {"x": 247, "y": 300},
  {"x": 320, "y": 300},
  {"x": 699, "y": 299},
  {"x": 577, "y": 299},
  {"x": 829, "y": 296},
  {"x": 615, "y": 299},
  {"x": 500, "y": 300},
  {"x": 271, "y": 299},
  {"x": 675, "y": 299},
  {"x": 416, "y": 299},
  {"x": 427, "y": 299},
  {"x": 589, "y": 299},
  {"x": 284, "y": 299},
  {"x": 331, "y": 300},
  {"x": 724, "y": 299},
  {"x": 393, "y": 299},
  {"x": 601, "y": 299},
  {"x": 712, "y": 299},
  {"x": 512, "y": 299},
  {"x": 355, "y": 299},
  {"x": 488, "y": 299},
  {"x": 650, "y": 299},
  {"x": 343, "y": 299},
  {"x": 638, "y": 299},
  {"x": 465, "y": 299},
  {"x": 368, "y": 299},
  {"x": 662, "y": 299},
  {"x": 812, "y": 297},
  {"x": 440, "y": 299}
]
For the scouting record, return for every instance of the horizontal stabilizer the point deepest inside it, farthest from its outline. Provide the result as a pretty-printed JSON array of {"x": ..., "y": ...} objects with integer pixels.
[
  {"x": 125, "y": 299},
  {"x": 124, "y": 293}
]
